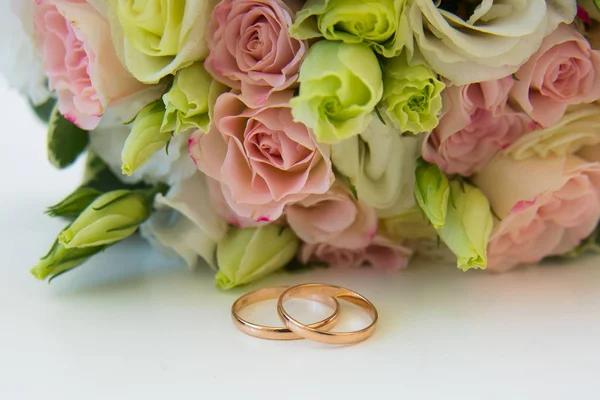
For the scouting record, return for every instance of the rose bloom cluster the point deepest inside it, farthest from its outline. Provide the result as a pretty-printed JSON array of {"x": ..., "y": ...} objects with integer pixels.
[{"x": 256, "y": 135}]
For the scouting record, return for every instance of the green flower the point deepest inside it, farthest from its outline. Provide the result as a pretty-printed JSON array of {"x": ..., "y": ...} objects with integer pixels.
[
  {"x": 411, "y": 95},
  {"x": 110, "y": 218},
  {"x": 158, "y": 37},
  {"x": 145, "y": 139},
  {"x": 468, "y": 225},
  {"x": 190, "y": 100},
  {"x": 246, "y": 255},
  {"x": 340, "y": 85},
  {"x": 382, "y": 24},
  {"x": 432, "y": 191}
]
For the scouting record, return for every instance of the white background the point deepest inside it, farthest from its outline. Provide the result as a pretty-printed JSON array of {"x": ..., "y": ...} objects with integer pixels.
[{"x": 131, "y": 325}]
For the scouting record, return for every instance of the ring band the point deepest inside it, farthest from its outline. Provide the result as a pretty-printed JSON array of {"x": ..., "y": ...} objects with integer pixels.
[
  {"x": 279, "y": 333},
  {"x": 316, "y": 334}
]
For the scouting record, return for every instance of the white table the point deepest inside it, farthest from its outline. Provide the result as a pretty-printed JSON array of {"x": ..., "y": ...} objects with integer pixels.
[{"x": 131, "y": 325}]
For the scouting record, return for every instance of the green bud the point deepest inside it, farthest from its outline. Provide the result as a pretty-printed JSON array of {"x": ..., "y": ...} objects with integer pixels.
[
  {"x": 246, "y": 255},
  {"x": 60, "y": 259},
  {"x": 411, "y": 96},
  {"x": 190, "y": 100},
  {"x": 145, "y": 138},
  {"x": 432, "y": 191},
  {"x": 74, "y": 204},
  {"x": 468, "y": 225},
  {"x": 110, "y": 218}
]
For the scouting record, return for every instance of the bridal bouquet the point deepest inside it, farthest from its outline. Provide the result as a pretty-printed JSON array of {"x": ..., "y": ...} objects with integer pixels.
[{"x": 258, "y": 135}]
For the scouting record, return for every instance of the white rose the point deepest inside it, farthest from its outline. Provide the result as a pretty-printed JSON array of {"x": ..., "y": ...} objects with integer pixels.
[
  {"x": 578, "y": 129},
  {"x": 183, "y": 223},
  {"x": 21, "y": 62},
  {"x": 380, "y": 163},
  {"x": 489, "y": 41}
]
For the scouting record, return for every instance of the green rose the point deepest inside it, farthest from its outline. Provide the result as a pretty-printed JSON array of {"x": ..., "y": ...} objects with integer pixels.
[
  {"x": 411, "y": 95},
  {"x": 155, "y": 38},
  {"x": 145, "y": 138},
  {"x": 381, "y": 24},
  {"x": 190, "y": 100},
  {"x": 246, "y": 255},
  {"x": 432, "y": 191},
  {"x": 340, "y": 85},
  {"x": 468, "y": 225},
  {"x": 110, "y": 218}
]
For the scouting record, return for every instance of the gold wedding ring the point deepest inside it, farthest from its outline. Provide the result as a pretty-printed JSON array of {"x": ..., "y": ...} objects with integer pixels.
[
  {"x": 279, "y": 333},
  {"x": 320, "y": 335}
]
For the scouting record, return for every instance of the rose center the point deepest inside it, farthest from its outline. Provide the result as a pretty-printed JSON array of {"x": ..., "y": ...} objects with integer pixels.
[
  {"x": 419, "y": 102},
  {"x": 331, "y": 106},
  {"x": 269, "y": 144},
  {"x": 461, "y": 8}
]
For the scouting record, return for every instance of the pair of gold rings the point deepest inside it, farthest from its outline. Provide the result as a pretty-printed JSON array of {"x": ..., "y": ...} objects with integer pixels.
[{"x": 294, "y": 329}]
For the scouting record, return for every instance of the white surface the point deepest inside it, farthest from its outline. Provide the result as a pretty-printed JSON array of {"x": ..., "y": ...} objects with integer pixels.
[{"x": 130, "y": 325}]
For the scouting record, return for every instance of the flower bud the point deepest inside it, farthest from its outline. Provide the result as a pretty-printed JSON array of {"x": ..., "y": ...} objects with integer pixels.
[
  {"x": 145, "y": 138},
  {"x": 468, "y": 225},
  {"x": 60, "y": 259},
  {"x": 432, "y": 191},
  {"x": 189, "y": 101},
  {"x": 110, "y": 218},
  {"x": 246, "y": 255}
]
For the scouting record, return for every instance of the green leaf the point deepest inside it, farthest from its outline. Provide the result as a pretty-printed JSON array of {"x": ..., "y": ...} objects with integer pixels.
[
  {"x": 74, "y": 203},
  {"x": 44, "y": 111},
  {"x": 65, "y": 140}
]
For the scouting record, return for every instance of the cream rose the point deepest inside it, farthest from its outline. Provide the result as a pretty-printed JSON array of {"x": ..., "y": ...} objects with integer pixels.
[
  {"x": 578, "y": 129},
  {"x": 156, "y": 38},
  {"x": 470, "y": 42}
]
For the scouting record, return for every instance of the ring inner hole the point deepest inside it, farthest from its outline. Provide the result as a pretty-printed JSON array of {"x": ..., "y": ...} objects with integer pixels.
[
  {"x": 352, "y": 318},
  {"x": 304, "y": 310}
]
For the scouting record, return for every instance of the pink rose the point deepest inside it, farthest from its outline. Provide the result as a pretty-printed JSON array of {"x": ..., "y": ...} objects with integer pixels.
[
  {"x": 565, "y": 70},
  {"x": 336, "y": 218},
  {"x": 547, "y": 206},
  {"x": 382, "y": 254},
  {"x": 260, "y": 156},
  {"x": 475, "y": 125},
  {"x": 219, "y": 205},
  {"x": 80, "y": 60},
  {"x": 251, "y": 49}
]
